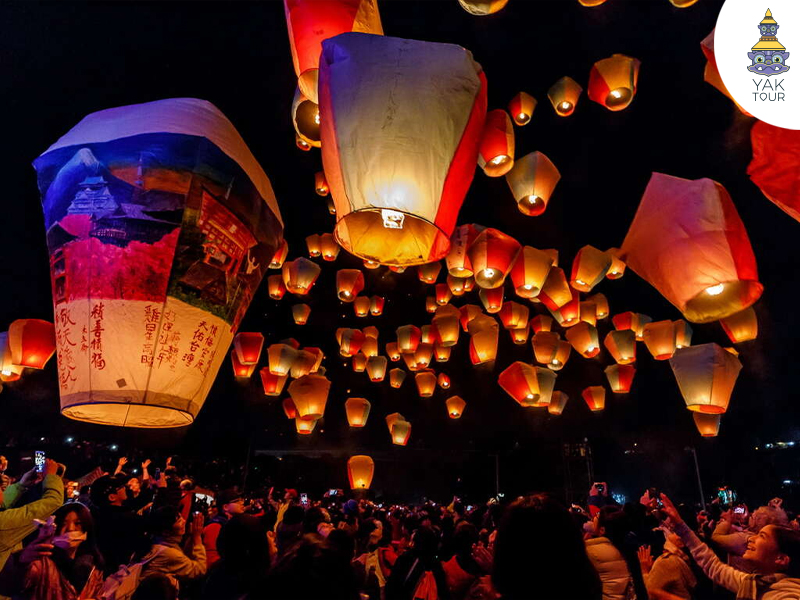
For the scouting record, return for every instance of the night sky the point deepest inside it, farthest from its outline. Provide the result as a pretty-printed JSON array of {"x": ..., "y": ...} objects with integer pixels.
[{"x": 62, "y": 60}]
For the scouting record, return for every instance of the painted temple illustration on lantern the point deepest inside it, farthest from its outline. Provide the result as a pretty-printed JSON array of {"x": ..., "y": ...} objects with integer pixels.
[{"x": 769, "y": 55}]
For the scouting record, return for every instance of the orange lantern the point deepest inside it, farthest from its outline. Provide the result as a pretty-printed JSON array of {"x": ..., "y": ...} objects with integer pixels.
[
  {"x": 370, "y": 330},
  {"x": 370, "y": 345},
  {"x": 706, "y": 375},
  {"x": 707, "y": 425},
  {"x": 458, "y": 261},
  {"x": 401, "y": 432},
  {"x": 564, "y": 96},
  {"x": 530, "y": 386},
  {"x": 31, "y": 342},
  {"x": 321, "y": 184},
  {"x": 468, "y": 313},
  {"x": 688, "y": 241},
  {"x": 660, "y": 339},
  {"x": 423, "y": 355},
  {"x": 683, "y": 334},
  {"x": 305, "y": 119},
  {"x": 376, "y": 304},
  {"x": 318, "y": 357},
  {"x": 620, "y": 378},
  {"x": 275, "y": 287},
  {"x": 351, "y": 342},
  {"x": 541, "y": 323},
  {"x": 622, "y": 346},
  {"x": 601, "y": 305},
  {"x": 595, "y": 397},
  {"x": 521, "y": 108},
  {"x": 361, "y": 306},
  {"x": 775, "y": 165},
  {"x": 455, "y": 407},
  {"x": 492, "y": 299},
  {"x": 617, "y": 268},
  {"x": 561, "y": 357},
  {"x": 408, "y": 338},
  {"x": 392, "y": 419},
  {"x": 584, "y": 339},
  {"x": 310, "y": 394},
  {"x": 520, "y": 335},
  {"x": 626, "y": 321},
  {"x": 456, "y": 285},
  {"x": 513, "y": 315},
  {"x": 359, "y": 363},
  {"x": 445, "y": 326},
  {"x": 304, "y": 364},
  {"x": 443, "y": 294},
  {"x": 397, "y": 269},
  {"x": 555, "y": 292},
  {"x": 396, "y": 377},
  {"x": 588, "y": 312},
  {"x": 741, "y": 327},
  {"x": 349, "y": 282},
  {"x": 428, "y": 273},
  {"x": 392, "y": 352},
  {"x": 313, "y": 245},
  {"x": 357, "y": 410},
  {"x": 545, "y": 346},
  {"x": 247, "y": 346},
  {"x": 430, "y": 304},
  {"x": 481, "y": 8},
  {"x": 360, "y": 470},
  {"x": 410, "y": 361},
  {"x": 483, "y": 345},
  {"x": 532, "y": 181},
  {"x": 492, "y": 255},
  {"x": 371, "y": 264},
  {"x": 300, "y": 313},
  {"x": 281, "y": 357},
  {"x": 530, "y": 272},
  {"x": 569, "y": 314},
  {"x": 301, "y": 143},
  {"x": 641, "y": 321},
  {"x": 589, "y": 268},
  {"x": 289, "y": 408},
  {"x": 329, "y": 247},
  {"x": 557, "y": 403},
  {"x": 305, "y": 426},
  {"x": 376, "y": 368},
  {"x": 273, "y": 384},
  {"x": 299, "y": 275},
  {"x": 240, "y": 370},
  {"x": 443, "y": 380},
  {"x": 277, "y": 260},
  {"x": 612, "y": 81},
  {"x": 8, "y": 370},
  {"x": 496, "y": 150}
]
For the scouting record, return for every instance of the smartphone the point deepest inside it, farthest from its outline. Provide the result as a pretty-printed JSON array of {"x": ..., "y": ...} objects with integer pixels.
[
  {"x": 38, "y": 460},
  {"x": 739, "y": 510},
  {"x": 304, "y": 499},
  {"x": 332, "y": 493}
]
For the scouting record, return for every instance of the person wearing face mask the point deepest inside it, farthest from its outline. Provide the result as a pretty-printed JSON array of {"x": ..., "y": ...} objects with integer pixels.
[{"x": 62, "y": 563}]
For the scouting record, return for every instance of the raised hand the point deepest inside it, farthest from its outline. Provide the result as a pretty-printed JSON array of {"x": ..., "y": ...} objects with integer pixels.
[
  {"x": 146, "y": 464},
  {"x": 671, "y": 511},
  {"x": 197, "y": 525},
  {"x": 645, "y": 559}
]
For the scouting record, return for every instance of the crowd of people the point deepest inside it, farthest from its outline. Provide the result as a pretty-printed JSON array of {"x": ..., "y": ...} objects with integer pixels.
[{"x": 155, "y": 536}]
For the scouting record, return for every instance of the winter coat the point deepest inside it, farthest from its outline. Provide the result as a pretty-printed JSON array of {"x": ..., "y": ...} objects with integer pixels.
[
  {"x": 169, "y": 559},
  {"x": 612, "y": 569},
  {"x": 672, "y": 574}
]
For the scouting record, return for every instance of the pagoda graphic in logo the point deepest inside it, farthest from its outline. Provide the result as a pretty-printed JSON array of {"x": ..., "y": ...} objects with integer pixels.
[{"x": 769, "y": 55}]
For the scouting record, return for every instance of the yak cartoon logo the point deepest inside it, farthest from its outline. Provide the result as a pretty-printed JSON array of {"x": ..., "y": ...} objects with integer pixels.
[{"x": 768, "y": 55}]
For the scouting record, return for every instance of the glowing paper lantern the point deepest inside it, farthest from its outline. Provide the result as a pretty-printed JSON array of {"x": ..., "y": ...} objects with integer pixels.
[
  {"x": 532, "y": 181},
  {"x": 682, "y": 3},
  {"x": 741, "y": 327},
  {"x": 289, "y": 409},
  {"x": 688, "y": 241},
  {"x": 428, "y": 273},
  {"x": 396, "y": 377},
  {"x": 591, "y": 3},
  {"x": 458, "y": 262},
  {"x": 707, "y": 425},
  {"x": 584, "y": 339},
  {"x": 310, "y": 394},
  {"x": 361, "y": 306},
  {"x": 555, "y": 291},
  {"x": 328, "y": 247},
  {"x": 530, "y": 386},
  {"x": 455, "y": 407},
  {"x": 408, "y": 338},
  {"x": 545, "y": 346},
  {"x": 31, "y": 342},
  {"x": 357, "y": 410},
  {"x": 423, "y": 355},
  {"x": 443, "y": 380},
  {"x": 595, "y": 397},
  {"x": 305, "y": 426},
  {"x": 392, "y": 352},
  {"x": 561, "y": 357},
  {"x": 541, "y": 323},
  {"x": 445, "y": 326},
  {"x": 514, "y": 315},
  {"x": 397, "y": 269},
  {"x": 299, "y": 275},
  {"x": 300, "y": 313},
  {"x": 401, "y": 432},
  {"x": 443, "y": 294},
  {"x": 706, "y": 375},
  {"x": 612, "y": 81},
  {"x": 321, "y": 184},
  {"x": 468, "y": 313},
  {"x": 481, "y": 8},
  {"x": 302, "y": 144},
  {"x": 305, "y": 118},
  {"x": 617, "y": 268},
  {"x": 641, "y": 321},
  {"x": 620, "y": 378},
  {"x": 496, "y": 150},
  {"x": 397, "y": 204},
  {"x": 273, "y": 384},
  {"x": 376, "y": 368},
  {"x": 275, "y": 287},
  {"x": 660, "y": 338},
  {"x": 775, "y": 165},
  {"x": 331, "y": 206},
  {"x": 370, "y": 345},
  {"x": 8, "y": 371},
  {"x": 530, "y": 272},
  {"x": 683, "y": 334},
  {"x": 492, "y": 299},
  {"x": 430, "y": 304},
  {"x": 441, "y": 353},
  {"x": 349, "y": 282},
  {"x": 626, "y": 321},
  {"x": 360, "y": 470},
  {"x": 371, "y": 264},
  {"x": 305, "y": 363},
  {"x": 247, "y": 346},
  {"x": 483, "y": 345},
  {"x": 310, "y": 22},
  {"x": 557, "y": 403},
  {"x": 521, "y": 108},
  {"x": 589, "y": 268},
  {"x": 601, "y": 305},
  {"x": 351, "y": 342},
  {"x": 376, "y": 304},
  {"x": 564, "y": 96},
  {"x": 492, "y": 255},
  {"x": 588, "y": 312},
  {"x": 240, "y": 370},
  {"x": 279, "y": 257},
  {"x": 281, "y": 357},
  {"x": 410, "y": 361},
  {"x": 520, "y": 335},
  {"x": 622, "y": 346},
  {"x": 569, "y": 314}
]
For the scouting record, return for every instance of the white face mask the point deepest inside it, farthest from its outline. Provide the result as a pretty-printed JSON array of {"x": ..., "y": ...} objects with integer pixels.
[{"x": 71, "y": 539}]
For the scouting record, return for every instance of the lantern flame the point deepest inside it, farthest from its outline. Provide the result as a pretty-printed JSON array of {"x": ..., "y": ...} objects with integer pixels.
[
  {"x": 715, "y": 290},
  {"x": 392, "y": 219}
]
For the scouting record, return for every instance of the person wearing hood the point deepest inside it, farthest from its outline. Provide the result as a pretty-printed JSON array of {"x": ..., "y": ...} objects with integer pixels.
[
  {"x": 670, "y": 573},
  {"x": 773, "y": 553}
]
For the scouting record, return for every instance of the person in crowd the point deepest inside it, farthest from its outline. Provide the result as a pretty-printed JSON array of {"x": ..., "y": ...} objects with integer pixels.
[
  {"x": 17, "y": 522},
  {"x": 229, "y": 503},
  {"x": 166, "y": 557},
  {"x": 187, "y": 498},
  {"x": 375, "y": 563},
  {"x": 462, "y": 570},
  {"x": 290, "y": 498},
  {"x": 290, "y": 528},
  {"x": 62, "y": 563},
  {"x": 539, "y": 554},
  {"x": 670, "y": 575},
  {"x": 120, "y": 531},
  {"x": 139, "y": 492},
  {"x": 773, "y": 553},
  {"x": 730, "y": 537},
  {"x": 5, "y": 480},
  {"x": 317, "y": 520},
  {"x": 607, "y": 557},
  {"x": 599, "y": 497},
  {"x": 418, "y": 573}
]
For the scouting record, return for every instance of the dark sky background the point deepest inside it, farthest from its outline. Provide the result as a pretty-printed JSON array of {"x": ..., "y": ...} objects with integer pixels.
[{"x": 62, "y": 60}]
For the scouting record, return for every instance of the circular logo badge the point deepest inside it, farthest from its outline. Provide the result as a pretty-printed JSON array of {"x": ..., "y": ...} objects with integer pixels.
[{"x": 754, "y": 43}]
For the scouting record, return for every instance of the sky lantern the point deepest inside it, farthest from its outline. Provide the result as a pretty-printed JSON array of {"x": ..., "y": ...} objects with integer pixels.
[
  {"x": 520, "y": 335},
  {"x": 376, "y": 304},
  {"x": 589, "y": 268},
  {"x": 446, "y": 326},
  {"x": 423, "y": 355},
  {"x": 456, "y": 285},
  {"x": 641, "y": 322},
  {"x": 588, "y": 312},
  {"x": 557, "y": 403},
  {"x": 392, "y": 352},
  {"x": 330, "y": 205},
  {"x": 620, "y": 378},
  {"x": 321, "y": 184},
  {"x": 275, "y": 287},
  {"x": 532, "y": 181},
  {"x": 455, "y": 406},
  {"x": 601, "y": 305},
  {"x": 392, "y": 419},
  {"x": 305, "y": 118},
  {"x": 417, "y": 111},
  {"x": 328, "y": 247},
  {"x": 426, "y": 383},
  {"x": 289, "y": 408},
  {"x": 741, "y": 327},
  {"x": 621, "y": 345},
  {"x": 612, "y": 81},
  {"x": 371, "y": 331},
  {"x": 360, "y": 470},
  {"x": 545, "y": 346},
  {"x": 352, "y": 340},
  {"x": 660, "y": 338},
  {"x": 429, "y": 272},
  {"x": 626, "y": 321},
  {"x": 561, "y": 357},
  {"x": 775, "y": 165},
  {"x": 8, "y": 370},
  {"x": 591, "y": 3},
  {"x": 310, "y": 22},
  {"x": 31, "y": 342},
  {"x": 617, "y": 268},
  {"x": 443, "y": 294},
  {"x": 408, "y": 338},
  {"x": 401, "y": 432},
  {"x": 279, "y": 256},
  {"x": 458, "y": 261},
  {"x": 301, "y": 143},
  {"x": 541, "y": 323},
  {"x": 481, "y": 8},
  {"x": 247, "y": 345},
  {"x": 376, "y": 368},
  {"x": 483, "y": 343},
  {"x": 706, "y": 375},
  {"x": 492, "y": 299},
  {"x": 564, "y": 96},
  {"x": 305, "y": 363},
  {"x": 584, "y": 339},
  {"x": 357, "y": 410},
  {"x": 521, "y": 108},
  {"x": 370, "y": 345},
  {"x": 683, "y": 334},
  {"x": 299, "y": 275},
  {"x": 361, "y": 306},
  {"x": 410, "y": 361},
  {"x": 371, "y": 264},
  {"x": 349, "y": 282},
  {"x": 468, "y": 313},
  {"x": 281, "y": 357},
  {"x": 707, "y": 425},
  {"x": 496, "y": 150},
  {"x": 443, "y": 380},
  {"x": 711, "y": 73},
  {"x": 310, "y": 394},
  {"x": 595, "y": 397},
  {"x": 514, "y": 315},
  {"x": 430, "y": 304},
  {"x": 528, "y": 385},
  {"x": 530, "y": 271},
  {"x": 441, "y": 353},
  {"x": 305, "y": 426},
  {"x": 570, "y": 313},
  {"x": 492, "y": 255},
  {"x": 397, "y": 377},
  {"x": 300, "y": 313},
  {"x": 239, "y": 369},
  {"x": 688, "y": 242},
  {"x": 555, "y": 292}
]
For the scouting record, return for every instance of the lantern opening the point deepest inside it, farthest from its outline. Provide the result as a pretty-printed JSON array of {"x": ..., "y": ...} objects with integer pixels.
[
  {"x": 715, "y": 290},
  {"x": 565, "y": 107},
  {"x": 533, "y": 206},
  {"x": 618, "y": 97}
]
